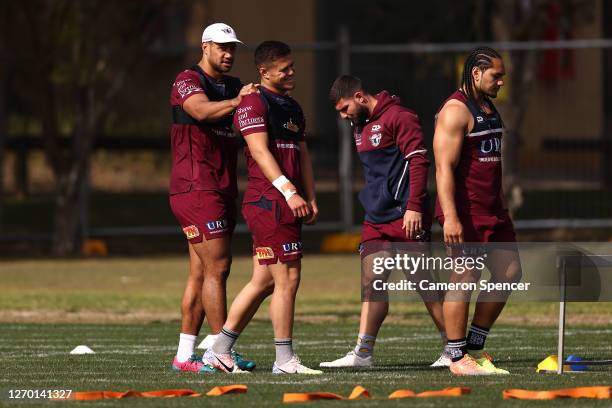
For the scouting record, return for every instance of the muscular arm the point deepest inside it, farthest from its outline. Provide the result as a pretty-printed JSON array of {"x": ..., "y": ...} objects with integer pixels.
[
  {"x": 308, "y": 181},
  {"x": 201, "y": 108},
  {"x": 451, "y": 125},
  {"x": 258, "y": 146}
]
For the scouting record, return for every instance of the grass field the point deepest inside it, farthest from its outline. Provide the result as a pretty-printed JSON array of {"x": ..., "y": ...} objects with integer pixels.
[{"x": 127, "y": 311}]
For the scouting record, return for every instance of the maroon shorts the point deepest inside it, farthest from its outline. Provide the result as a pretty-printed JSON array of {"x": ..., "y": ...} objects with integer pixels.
[
  {"x": 372, "y": 235},
  {"x": 277, "y": 234},
  {"x": 204, "y": 214},
  {"x": 486, "y": 228}
]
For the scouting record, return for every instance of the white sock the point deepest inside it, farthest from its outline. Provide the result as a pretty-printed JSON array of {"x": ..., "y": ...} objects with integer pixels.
[
  {"x": 365, "y": 345},
  {"x": 185, "y": 347},
  {"x": 209, "y": 341}
]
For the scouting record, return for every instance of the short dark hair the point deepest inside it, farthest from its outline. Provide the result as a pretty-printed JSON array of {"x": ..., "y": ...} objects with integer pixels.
[
  {"x": 345, "y": 86},
  {"x": 269, "y": 51},
  {"x": 480, "y": 57}
]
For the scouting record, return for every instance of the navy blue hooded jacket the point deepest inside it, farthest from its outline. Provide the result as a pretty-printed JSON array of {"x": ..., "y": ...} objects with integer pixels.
[{"x": 391, "y": 148}]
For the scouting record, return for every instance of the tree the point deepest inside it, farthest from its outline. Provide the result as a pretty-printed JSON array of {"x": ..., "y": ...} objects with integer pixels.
[
  {"x": 4, "y": 59},
  {"x": 526, "y": 21},
  {"x": 70, "y": 59}
]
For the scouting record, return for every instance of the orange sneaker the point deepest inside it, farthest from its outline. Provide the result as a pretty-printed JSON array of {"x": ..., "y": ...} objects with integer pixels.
[
  {"x": 480, "y": 354},
  {"x": 468, "y": 366}
]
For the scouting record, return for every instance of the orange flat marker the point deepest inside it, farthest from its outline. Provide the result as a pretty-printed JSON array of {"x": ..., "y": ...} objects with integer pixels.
[
  {"x": 603, "y": 392},
  {"x": 99, "y": 395}
]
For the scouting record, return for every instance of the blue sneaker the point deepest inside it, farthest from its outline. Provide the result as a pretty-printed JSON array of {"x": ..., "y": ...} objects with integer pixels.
[
  {"x": 208, "y": 369},
  {"x": 242, "y": 363}
]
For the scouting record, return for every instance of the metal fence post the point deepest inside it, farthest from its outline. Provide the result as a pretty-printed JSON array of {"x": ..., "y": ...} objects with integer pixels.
[
  {"x": 561, "y": 338},
  {"x": 345, "y": 163}
]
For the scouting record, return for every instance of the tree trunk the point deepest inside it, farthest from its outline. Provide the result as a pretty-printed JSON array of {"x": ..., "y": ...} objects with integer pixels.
[
  {"x": 3, "y": 113},
  {"x": 66, "y": 35},
  {"x": 3, "y": 129},
  {"x": 66, "y": 234},
  {"x": 69, "y": 220}
]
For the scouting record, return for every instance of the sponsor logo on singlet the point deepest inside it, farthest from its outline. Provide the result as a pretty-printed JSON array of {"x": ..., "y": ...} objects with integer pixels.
[
  {"x": 287, "y": 146},
  {"x": 244, "y": 121},
  {"x": 223, "y": 132},
  {"x": 243, "y": 109},
  {"x": 491, "y": 145},
  {"x": 186, "y": 87},
  {"x": 291, "y": 126}
]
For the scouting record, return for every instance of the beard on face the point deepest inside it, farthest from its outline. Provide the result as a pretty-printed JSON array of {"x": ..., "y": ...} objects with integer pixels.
[{"x": 360, "y": 116}]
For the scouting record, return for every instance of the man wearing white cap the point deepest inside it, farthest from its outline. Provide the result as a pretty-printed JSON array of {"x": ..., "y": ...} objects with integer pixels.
[{"x": 203, "y": 185}]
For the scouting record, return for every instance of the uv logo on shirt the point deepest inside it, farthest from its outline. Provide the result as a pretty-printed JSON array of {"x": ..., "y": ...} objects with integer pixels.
[{"x": 490, "y": 145}]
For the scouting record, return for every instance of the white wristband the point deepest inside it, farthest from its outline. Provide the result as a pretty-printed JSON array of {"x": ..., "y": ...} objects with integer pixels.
[
  {"x": 288, "y": 194},
  {"x": 280, "y": 182}
]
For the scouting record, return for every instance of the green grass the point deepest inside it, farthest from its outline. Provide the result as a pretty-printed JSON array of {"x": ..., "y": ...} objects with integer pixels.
[
  {"x": 138, "y": 356},
  {"x": 121, "y": 285},
  {"x": 153, "y": 286},
  {"x": 143, "y": 294}
]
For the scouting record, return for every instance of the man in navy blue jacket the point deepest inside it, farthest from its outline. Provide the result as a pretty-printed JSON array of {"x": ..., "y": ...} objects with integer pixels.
[{"x": 389, "y": 141}]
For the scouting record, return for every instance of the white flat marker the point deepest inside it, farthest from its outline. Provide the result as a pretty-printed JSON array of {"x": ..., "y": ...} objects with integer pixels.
[{"x": 82, "y": 350}]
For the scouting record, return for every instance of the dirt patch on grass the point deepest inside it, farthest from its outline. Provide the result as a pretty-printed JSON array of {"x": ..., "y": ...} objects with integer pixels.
[
  {"x": 543, "y": 320},
  {"x": 41, "y": 316}
]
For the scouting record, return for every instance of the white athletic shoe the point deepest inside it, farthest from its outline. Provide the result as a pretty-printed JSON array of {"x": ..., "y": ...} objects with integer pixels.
[
  {"x": 443, "y": 361},
  {"x": 222, "y": 362},
  {"x": 350, "y": 360},
  {"x": 293, "y": 366}
]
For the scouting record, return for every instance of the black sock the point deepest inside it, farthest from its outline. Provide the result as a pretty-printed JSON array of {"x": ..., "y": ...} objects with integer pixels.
[
  {"x": 457, "y": 349},
  {"x": 476, "y": 337}
]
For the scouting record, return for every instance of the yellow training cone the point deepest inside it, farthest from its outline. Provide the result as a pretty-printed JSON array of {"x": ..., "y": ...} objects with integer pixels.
[{"x": 550, "y": 365}]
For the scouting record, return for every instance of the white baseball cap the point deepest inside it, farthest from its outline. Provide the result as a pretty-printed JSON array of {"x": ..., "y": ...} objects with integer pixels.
[{"x": 220, "y": 33}]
